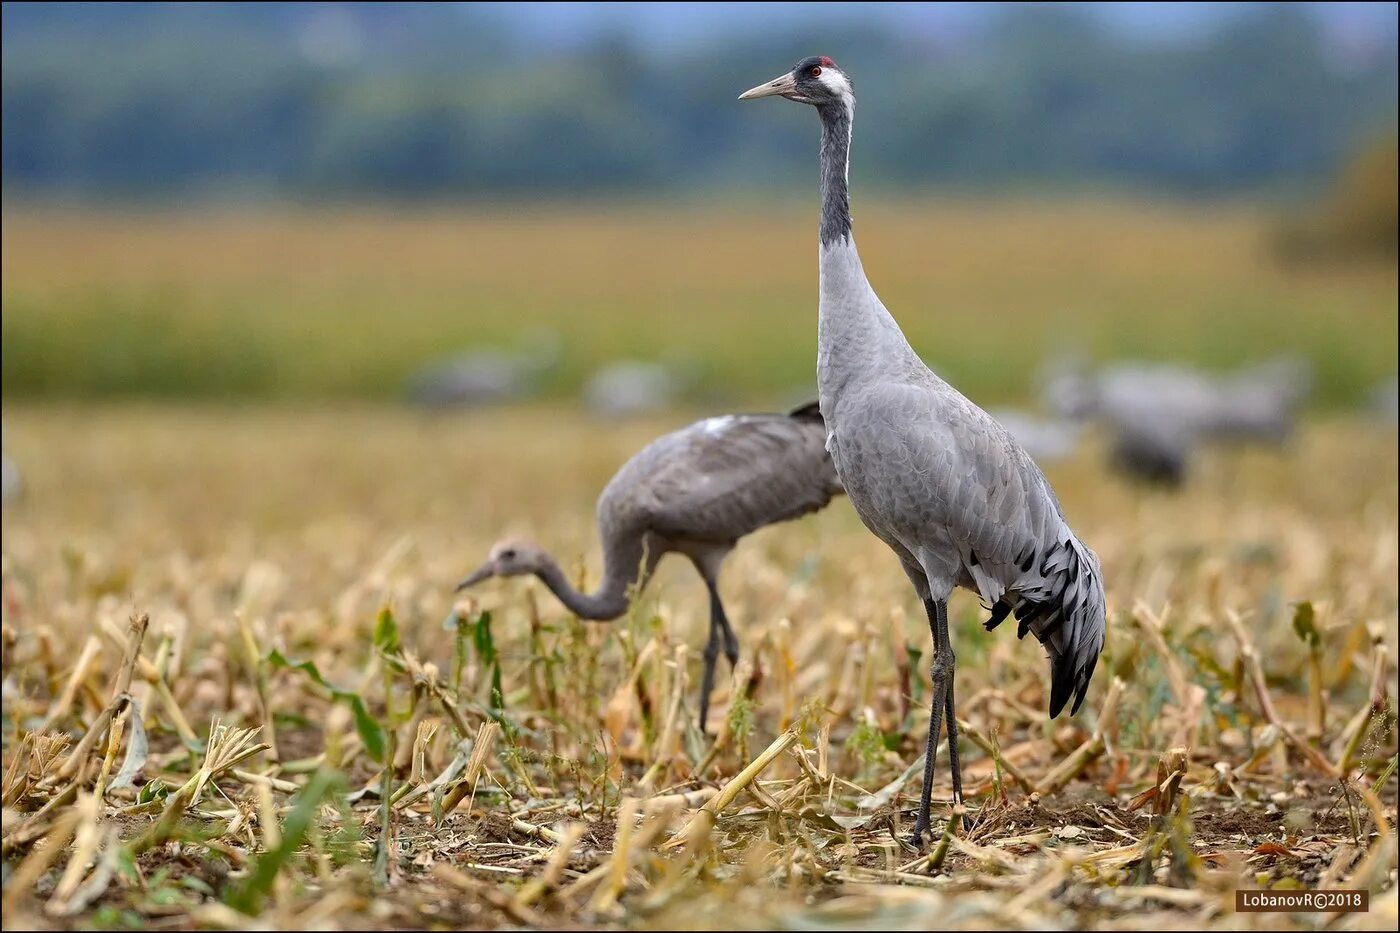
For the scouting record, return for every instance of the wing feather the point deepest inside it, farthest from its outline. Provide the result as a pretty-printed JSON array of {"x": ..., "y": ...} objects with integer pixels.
[
  {"x": 947, "y": 471},
  {"x": 722, "y": 478}
]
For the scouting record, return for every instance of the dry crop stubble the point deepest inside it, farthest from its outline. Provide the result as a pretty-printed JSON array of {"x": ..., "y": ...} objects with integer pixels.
[{"x": 545, "y": 770}]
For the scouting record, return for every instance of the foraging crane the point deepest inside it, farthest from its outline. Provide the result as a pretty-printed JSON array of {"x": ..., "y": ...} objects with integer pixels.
[
  {"x": 696, "y": 492},
  {"x": 931, "y": 474}
]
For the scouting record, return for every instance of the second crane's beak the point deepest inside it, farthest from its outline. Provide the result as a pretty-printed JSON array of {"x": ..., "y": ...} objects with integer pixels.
[
  {"x": 483, "y": 572},
  {"x": 779, "y": 86}
]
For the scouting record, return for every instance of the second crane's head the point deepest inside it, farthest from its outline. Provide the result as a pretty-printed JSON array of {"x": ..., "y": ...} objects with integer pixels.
[
  {"x": 815, "y": 80},
  {"x": 507, "y": 559}
]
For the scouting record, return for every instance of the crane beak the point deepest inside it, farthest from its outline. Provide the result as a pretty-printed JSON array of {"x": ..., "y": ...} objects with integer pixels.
[
  {"x": 483, "y": 572},
  {"x": 779, "y": 86}
]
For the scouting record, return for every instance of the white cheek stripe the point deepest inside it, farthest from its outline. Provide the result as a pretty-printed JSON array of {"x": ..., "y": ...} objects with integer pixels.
[{"x": 836, "y": 82}]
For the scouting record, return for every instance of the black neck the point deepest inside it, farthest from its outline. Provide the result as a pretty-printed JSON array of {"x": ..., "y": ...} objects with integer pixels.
[{"x": 836, "y": 153}]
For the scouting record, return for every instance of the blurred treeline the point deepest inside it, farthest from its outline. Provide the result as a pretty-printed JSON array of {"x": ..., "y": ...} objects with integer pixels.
[
  {"x": 1357, "y": 217},
  {"x": 409, "y": 100}
]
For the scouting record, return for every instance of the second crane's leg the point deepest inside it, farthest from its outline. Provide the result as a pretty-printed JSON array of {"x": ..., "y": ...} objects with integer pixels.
[
  {"x": 941, "y": 674},
  {"x": 731, "y": 641},
  {"x": 718, "y": 624}
]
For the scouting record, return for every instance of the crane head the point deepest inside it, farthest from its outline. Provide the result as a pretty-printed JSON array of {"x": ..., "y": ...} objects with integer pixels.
[
  {"x": 815, "y": 80},
  {"x": 507, "y": 559}
]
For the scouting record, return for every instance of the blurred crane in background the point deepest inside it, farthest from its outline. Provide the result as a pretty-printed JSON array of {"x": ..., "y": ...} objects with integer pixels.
[
  {"x": 1045, "y": 439},
  {"x": 1385, "y": 402},
  {"x": 630, "y": 387},
  {"x": 1157, "y": 414},
  {"x": 11, "y": 485},
  {"x": 486, "y": 376}
]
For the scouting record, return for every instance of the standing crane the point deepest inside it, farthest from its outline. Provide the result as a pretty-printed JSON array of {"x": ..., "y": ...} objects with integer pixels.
[
  {"x": 931, "y": 474},
  {"x": 696, "y": 492}
]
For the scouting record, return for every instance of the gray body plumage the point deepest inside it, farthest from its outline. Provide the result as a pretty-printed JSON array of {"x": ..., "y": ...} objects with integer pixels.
[
  {"x": 931, "y": 474},
  {"x": 700, "y": 489},
  {"x": 696, "y": 492},
  {"x": 947, "y": 487}
]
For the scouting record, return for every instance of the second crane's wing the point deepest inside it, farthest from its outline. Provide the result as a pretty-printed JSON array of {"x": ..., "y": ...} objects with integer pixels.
[{"x": 724, "y": 477}]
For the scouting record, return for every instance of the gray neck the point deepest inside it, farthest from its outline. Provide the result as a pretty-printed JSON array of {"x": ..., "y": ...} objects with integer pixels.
[
  {"x": 836, "y": 157},
  {"x": 622, "y": 568},
  {"x": 857, "y": 339}
]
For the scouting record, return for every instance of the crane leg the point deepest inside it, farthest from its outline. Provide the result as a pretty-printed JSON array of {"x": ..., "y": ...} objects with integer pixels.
[
  {"x": 731, "y": 641},
  {"x": 720, "y": 632},
  {"x": 952, "y": 715},
  {"x": 941, "y": 705}
]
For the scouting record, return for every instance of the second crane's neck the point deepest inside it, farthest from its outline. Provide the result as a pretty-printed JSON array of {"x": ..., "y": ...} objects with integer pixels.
[
  {"x": 857, "y": 339},
  {"x": 626, "y": 564}
]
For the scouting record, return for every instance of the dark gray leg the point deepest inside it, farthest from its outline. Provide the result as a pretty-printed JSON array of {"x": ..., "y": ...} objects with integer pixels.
[
  {"x": 941, "y": 703},
  {"x": 951, "y": 714},
  {"x": 731, "y": 641},
  {"x": 719, "y": 630}
]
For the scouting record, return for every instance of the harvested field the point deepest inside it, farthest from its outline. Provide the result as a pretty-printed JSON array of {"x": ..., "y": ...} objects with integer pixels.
[{"x": 238, "y": 693}]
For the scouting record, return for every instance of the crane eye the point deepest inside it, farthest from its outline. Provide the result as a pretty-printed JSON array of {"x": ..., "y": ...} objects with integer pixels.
[
  {"x": 508, "y": 554},
  {"x": 816, "y": 71}
]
